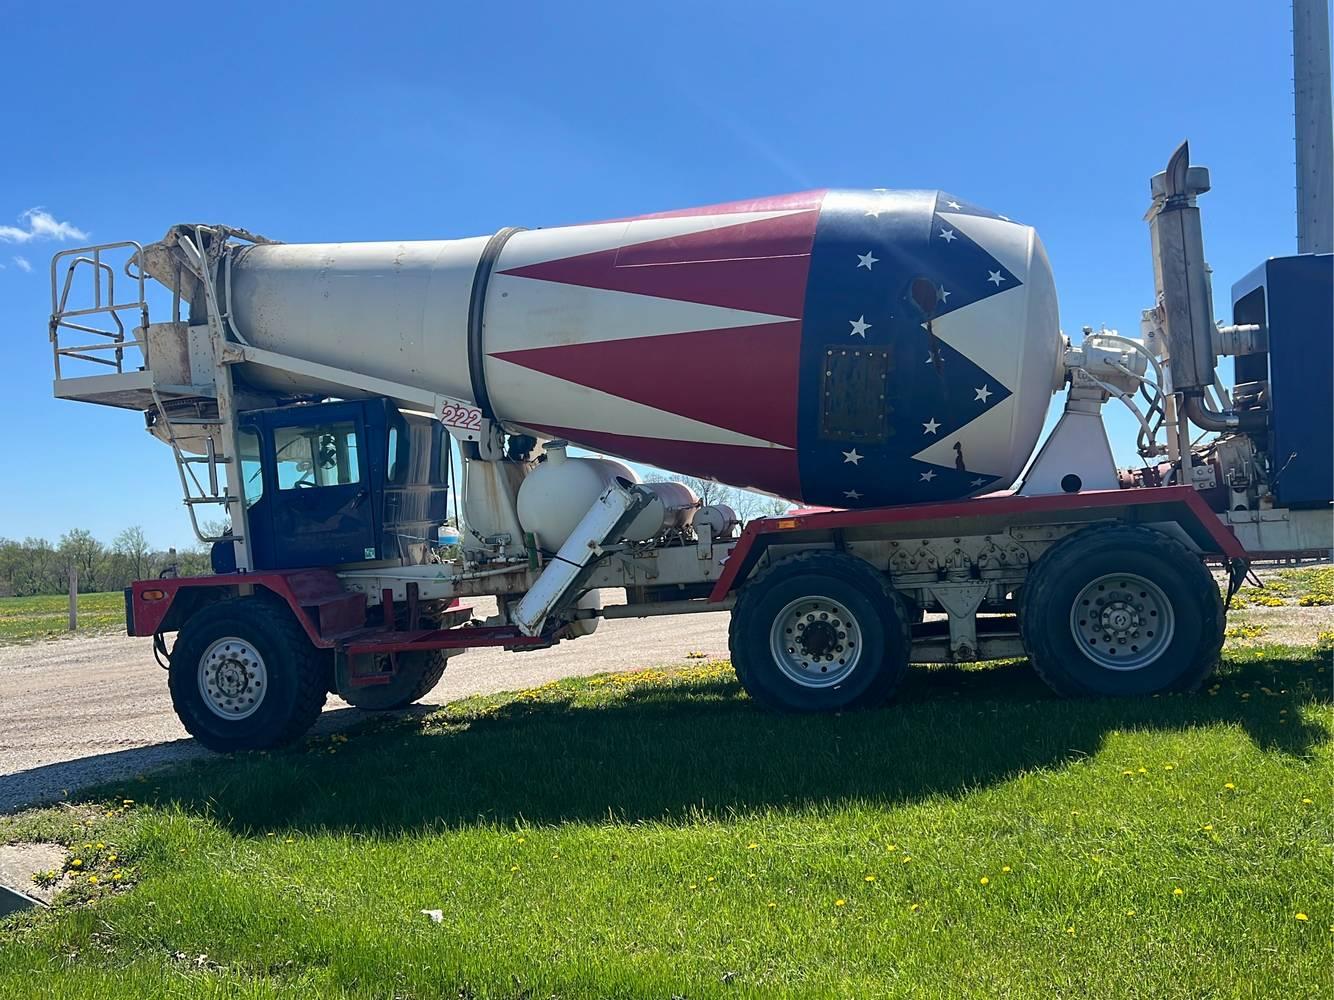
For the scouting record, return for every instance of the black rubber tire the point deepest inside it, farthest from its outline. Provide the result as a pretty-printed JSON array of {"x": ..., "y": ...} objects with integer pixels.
[
  {"x": 417, "y": 674},
  {"x": 297, "y": 675},
  {"x": 886, "y": 632},
  {"x": 1055, "y": 581}
]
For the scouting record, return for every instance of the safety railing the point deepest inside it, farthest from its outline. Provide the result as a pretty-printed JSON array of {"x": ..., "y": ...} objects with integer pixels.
[{"x": 110, "y": 348}]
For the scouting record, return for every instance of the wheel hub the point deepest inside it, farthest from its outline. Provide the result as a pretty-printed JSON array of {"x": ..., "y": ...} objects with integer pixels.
[
  {"x": 1122, "y": 621},
  {"x": 816, "y": 642},
  {"x": 232, "y": 678}
]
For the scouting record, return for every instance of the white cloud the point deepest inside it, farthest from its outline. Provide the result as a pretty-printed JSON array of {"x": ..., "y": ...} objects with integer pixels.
[
  {"x": 39, "y": 224},
  {"x": 23, "y": 264}
]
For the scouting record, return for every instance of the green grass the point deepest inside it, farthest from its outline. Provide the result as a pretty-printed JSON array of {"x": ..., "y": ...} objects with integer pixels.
[
  {"x": 1307, "y": 586},
  {"x": 23, "y": 619},
  {"x": 656, "y": 835}
]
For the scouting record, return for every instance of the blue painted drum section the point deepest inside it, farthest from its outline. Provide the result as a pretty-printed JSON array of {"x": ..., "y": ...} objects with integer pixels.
[{"x": 877, "y": 385}]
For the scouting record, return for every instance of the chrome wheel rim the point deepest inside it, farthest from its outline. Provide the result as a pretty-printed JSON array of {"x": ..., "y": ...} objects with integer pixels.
[
  {"x": 816, "y": 642},
  {"x": 1122, "y": 621},
  {"x": 232, "y": 679}
]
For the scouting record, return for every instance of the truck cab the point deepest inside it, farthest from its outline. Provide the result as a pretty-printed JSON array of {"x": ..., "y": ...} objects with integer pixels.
[{"x": 339, "y": 483}]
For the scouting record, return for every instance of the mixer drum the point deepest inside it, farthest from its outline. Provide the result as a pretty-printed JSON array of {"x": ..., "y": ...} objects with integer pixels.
[{"x": 847, "y": 348}]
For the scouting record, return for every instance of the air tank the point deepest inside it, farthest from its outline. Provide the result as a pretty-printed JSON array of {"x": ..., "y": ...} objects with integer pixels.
[{"x": 840, "y": 348}]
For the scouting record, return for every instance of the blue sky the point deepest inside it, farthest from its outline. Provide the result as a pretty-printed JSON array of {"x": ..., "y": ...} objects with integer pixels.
[{"x": 359, "y": 122}]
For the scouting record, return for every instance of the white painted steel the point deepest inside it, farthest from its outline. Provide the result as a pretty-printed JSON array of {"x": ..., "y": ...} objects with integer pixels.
[
  {"x": 1014, "y": 336},
  {"x": 399, "y": 311},
  {"x": 557, "y": 493},
  {"x": 602, "y": 522},
  {"x": 673, "y": 506}
]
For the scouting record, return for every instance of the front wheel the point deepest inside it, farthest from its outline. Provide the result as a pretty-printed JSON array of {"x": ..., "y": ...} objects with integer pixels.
[
  {"x": 1121, "y": 611},
  {"x": 819, "y": 632},
  {"x": 244, "y": 676}
]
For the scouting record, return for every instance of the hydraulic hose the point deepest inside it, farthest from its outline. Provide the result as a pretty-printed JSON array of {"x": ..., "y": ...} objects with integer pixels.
[{"x": 1206, "y": 419}]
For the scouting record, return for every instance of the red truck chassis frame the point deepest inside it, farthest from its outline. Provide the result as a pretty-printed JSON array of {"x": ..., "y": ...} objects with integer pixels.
[{"x": 335, "y": 619}]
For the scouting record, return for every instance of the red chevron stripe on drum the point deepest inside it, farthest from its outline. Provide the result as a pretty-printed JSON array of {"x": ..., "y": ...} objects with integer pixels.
[
  {"x": 743, "y": 378},
  {"x": 758, "y": 266},
  {"x": 775, "y": 468}
]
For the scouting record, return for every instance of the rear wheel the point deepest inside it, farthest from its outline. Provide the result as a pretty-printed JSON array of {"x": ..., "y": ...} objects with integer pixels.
[
  {"x": 1121, "y": 611},
  {"x": 819, "y": 632},
  {"x": 417, "y": 674},
  {"x": 244, "y": 676}
]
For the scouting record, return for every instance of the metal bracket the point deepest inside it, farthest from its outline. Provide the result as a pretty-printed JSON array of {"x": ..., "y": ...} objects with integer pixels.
[{"x": 961, "y": 601}]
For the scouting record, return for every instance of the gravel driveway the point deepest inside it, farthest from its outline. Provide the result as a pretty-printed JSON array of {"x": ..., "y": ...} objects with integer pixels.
[{"x": 84, "y": 710}]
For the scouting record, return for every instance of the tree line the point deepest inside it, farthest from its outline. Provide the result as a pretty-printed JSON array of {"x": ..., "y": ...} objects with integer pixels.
[{"x": 38, "y": 566}]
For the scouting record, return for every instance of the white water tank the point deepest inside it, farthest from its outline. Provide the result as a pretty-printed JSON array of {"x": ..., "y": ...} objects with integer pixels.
[
  {"x": 673, "y": 506},
  {"x": 557, "y": 494}
]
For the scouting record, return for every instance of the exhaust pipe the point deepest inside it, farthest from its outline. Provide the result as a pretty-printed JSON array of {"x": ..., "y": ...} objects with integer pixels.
[{"x": 1185, "y": 294}]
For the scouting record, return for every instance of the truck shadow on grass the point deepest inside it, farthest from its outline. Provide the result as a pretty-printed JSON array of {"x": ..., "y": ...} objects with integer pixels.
[{"x": 659, "y": 749}]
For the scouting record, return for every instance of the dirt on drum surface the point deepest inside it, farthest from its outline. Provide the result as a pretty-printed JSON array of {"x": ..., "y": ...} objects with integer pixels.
[{"x": 78, "y": 711}]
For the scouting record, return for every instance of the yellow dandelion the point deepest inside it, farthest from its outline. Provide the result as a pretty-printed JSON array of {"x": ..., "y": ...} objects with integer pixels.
[
  {"x": 1074, "y": 812},
  {"x": 1071, "y": 930},
  {"x": 1142, "y": 770},
  {"x": 1208, "y": 826},
  {"x": 1178, "y": 891},
  {"x": 523, "y": 840},
  {"x": 693, "y": 885},
  {"x": 1130, "y": 913},
  {"x": 772, "y": 905},
  {"x": 101, "y": 846},
  {"x": 117, "y": 877},
  {"x": 1169, "y": 767},
  {"x": 752, "y": 846},
  {"x": 1005, "y": 868},
  {"x": 869, "y": 878},
  {"x": 76, "y": 863},
  {"x": 892, "y": 847},
  {"x": 1128, "y": 773},
  {"x": 710, "y": 879},
  {"x": 984, "y": 880},
  {"x": 915, "y": 908},
  {"x": 1230, "y": 786},
  {"x": 840, "y": 902},
  {"x": 514, "y": 868},
  {"x": 906, "y": 859},
  {"x": 1306, "y": 802},
  {"x": 92, "y": 880},
  {"x": 1302, "y": 916}
]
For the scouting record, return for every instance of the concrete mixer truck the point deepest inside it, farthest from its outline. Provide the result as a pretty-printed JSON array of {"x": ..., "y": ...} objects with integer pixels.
[{"x": 882, "y": 359}]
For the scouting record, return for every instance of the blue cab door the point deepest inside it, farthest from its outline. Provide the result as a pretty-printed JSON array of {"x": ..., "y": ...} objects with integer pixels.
[{"x": 316, "y": 507}]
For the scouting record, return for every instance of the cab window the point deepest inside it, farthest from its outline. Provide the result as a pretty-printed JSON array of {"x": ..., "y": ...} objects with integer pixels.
[
  {"x": 252, "y": 470},
  {"x": 313, "y": 457}
]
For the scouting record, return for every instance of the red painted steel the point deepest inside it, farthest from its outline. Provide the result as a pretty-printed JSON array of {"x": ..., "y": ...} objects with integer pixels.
[
  {"x": 1181, "y": 504},
  {"x": 758, "y": 398},
  {"x": 444, "y": 638},
  {"x": 306, "y": 591}
]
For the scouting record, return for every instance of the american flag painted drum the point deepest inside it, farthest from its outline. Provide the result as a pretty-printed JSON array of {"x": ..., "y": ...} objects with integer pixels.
[{"x": 842, "y": 348}]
